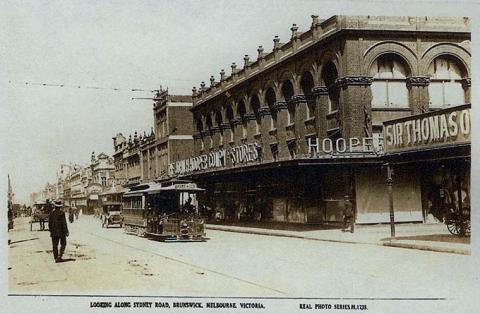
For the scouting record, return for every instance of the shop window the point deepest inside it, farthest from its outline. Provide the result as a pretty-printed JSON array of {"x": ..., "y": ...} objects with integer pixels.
[
  {"x": 389, "y": 89},
  {"x": 445, "y": 88}
]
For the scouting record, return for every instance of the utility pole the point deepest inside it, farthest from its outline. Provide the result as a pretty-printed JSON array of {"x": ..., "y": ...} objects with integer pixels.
[{"x": 389, "y": 182}]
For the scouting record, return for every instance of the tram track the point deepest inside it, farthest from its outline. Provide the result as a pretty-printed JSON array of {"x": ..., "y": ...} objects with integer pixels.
[{"x": 190, "y": 264}]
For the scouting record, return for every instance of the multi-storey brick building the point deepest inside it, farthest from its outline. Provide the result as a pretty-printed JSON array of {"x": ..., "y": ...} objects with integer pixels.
[
  {"x": 286, "y": 137},
  {"x": 144, "y": 158}
]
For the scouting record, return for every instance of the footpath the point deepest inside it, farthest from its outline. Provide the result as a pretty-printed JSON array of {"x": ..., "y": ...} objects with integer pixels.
[{"x": 430, "y": 237}]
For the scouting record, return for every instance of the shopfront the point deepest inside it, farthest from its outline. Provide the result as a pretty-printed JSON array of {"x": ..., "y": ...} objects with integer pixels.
[{"x": 438, "y": 145}]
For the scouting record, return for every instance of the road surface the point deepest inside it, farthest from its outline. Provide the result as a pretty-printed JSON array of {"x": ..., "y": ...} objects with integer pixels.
[{"x": 108, "y": 261}]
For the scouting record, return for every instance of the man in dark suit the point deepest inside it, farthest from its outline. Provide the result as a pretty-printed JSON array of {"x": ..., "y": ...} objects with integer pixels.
[
  {"x": 348, "y": 214},
  {"x": 57, "y": 224}
]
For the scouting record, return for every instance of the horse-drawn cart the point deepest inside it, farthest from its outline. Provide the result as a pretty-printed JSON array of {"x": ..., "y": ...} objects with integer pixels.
[{"x": 41, "y": 211}]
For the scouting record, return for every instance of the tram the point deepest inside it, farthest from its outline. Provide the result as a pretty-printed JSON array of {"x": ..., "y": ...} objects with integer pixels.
[{"x": 166, "y": 211}]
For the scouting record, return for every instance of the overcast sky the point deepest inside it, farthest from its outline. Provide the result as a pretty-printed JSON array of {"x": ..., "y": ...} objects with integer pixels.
[{"x": 125, "y": 44}]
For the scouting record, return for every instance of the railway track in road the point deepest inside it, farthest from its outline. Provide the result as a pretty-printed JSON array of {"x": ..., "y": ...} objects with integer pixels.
[{"x": 190, "y": 264}]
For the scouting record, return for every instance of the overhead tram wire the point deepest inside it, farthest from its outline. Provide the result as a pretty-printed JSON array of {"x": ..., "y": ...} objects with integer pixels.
[{"x": 85, "y": 87}]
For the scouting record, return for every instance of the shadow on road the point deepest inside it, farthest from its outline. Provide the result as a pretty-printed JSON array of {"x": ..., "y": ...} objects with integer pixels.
[
  {"x": 19, "y": 241},
  {"x": 67, "y": 260}
]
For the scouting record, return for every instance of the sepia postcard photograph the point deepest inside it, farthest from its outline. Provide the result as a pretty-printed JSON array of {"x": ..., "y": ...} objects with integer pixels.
[{"x": 238, "y": 156}]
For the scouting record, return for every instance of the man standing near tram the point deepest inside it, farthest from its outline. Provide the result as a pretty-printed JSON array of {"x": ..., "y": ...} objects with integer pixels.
[{"x": 57, "y": 224}]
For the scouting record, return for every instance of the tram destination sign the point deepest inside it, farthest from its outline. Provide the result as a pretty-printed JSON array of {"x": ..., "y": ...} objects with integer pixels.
[{"x": 446, "y": 127}]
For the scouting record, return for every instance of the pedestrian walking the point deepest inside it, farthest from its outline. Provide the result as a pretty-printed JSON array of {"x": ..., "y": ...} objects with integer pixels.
[
  {"x": 348, "y": 220},
  {"x": 57, "y": 224},
  {"x": 70, "y": 215}
]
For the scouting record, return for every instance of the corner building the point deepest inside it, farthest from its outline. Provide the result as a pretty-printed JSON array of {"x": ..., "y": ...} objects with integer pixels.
[{"x": 287, "y": 136}]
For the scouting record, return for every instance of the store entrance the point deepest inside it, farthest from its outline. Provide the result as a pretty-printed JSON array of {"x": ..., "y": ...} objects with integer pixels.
[{"x": 445, "y": 188}]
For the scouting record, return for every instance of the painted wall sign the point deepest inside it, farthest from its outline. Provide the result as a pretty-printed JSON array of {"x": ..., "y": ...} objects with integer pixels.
[
  {"x": 445, "y": 127},
  {"x": 241, "y": 154}
]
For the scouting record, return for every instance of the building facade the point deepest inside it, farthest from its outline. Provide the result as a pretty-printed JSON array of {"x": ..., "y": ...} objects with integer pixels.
[
  {"x": 289, "y": 135},
  {"x": 144, "y": 158}
]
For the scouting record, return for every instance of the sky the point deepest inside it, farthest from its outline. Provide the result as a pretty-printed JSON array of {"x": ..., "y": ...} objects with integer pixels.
[{"x": 127, "y": 44}]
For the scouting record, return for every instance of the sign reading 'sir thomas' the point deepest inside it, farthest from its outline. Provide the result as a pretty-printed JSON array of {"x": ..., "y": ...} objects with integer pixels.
[{"x": 446, "y": 127}]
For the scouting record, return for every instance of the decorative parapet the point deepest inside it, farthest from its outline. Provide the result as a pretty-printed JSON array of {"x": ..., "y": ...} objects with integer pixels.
[
  {"x": 354, "y": 80},
  {"x": 322, "y": 30},
  {"x": 418, "y": 81}
]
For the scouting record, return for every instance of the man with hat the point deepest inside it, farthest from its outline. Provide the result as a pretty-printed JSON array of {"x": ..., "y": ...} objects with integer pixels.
[
  {"x": 57, "y": 224},
  {"x": 348, "y": 220}
]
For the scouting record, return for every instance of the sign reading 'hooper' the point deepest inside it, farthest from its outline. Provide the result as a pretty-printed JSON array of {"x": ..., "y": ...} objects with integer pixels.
[{"x": 439, "y": 128}]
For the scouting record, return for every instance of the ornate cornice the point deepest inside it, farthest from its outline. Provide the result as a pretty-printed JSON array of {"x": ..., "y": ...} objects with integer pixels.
[
  {"x": 249, "y": 116},
  {"x": 418, "y": 81},
  {"x": 354, "y": 80},
  {"x": 467, "y": 82},
  {"x": 281, "y": 105},
  {"x": 226, "y": 126},
  {"x": 264, "y": 111},
  {"x": 236, "y": 121},
  {"x": 320, "y": 90},
  {"x": 297, "y": 99},
  {"x": 215, "y": 129}
]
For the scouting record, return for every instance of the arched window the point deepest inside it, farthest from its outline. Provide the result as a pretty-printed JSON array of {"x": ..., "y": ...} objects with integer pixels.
[
  {"x": 218, "y": 121},
  {"x": 255, "y": 105},
  {"x": 230, "y": 117},
  {"x": 445, "y": 88},
  {"x": 270, "y": 99},
  {"x": 329, "y": 77},
  {"x": 241, "y": 112},
  {"x": 208, "y": 122},
  {"x": 306, "y": 83},
  {"x": 389, "y": 88},
  {"x": 287, "y": 93}
]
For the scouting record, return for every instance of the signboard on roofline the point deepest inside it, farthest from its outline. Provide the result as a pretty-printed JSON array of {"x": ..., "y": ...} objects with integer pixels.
[{"x": 446, "y": 127}]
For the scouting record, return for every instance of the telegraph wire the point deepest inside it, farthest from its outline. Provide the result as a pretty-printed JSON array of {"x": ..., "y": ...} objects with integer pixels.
[
  {"x": 83, "y": 86},
  {"x": 88, "y": 87}
]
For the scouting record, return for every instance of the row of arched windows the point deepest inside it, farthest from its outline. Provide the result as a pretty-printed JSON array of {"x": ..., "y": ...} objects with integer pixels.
[{"x": 389, "y": 90}]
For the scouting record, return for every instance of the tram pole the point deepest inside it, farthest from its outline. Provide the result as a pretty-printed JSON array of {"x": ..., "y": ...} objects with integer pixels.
[{"x": 389, "y": 182}]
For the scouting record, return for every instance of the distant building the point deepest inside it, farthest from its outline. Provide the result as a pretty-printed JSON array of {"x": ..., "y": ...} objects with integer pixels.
[{"x": 146, "y": 157}]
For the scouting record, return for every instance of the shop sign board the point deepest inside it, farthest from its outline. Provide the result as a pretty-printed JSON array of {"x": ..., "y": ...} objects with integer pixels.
[
  {"x": 237, "y": 155},
  {"x": 446, "y": 127},
  {"x": 352, "y": 145}
]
